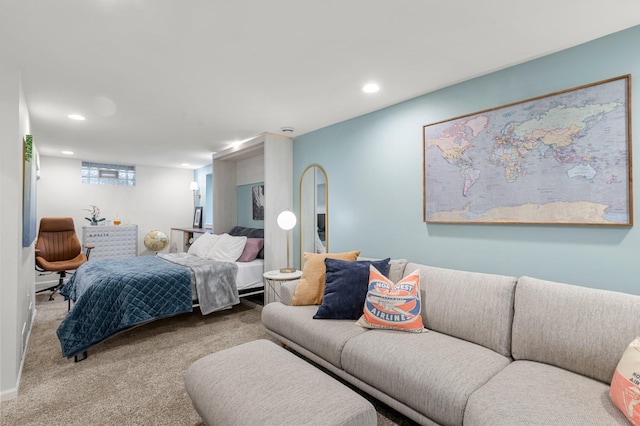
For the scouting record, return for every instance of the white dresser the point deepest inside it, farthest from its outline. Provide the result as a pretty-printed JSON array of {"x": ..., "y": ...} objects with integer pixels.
[{"x": 111, "y": 242}]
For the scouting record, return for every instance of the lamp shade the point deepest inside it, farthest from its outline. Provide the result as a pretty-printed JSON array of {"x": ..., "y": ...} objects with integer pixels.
[
  {"x": 286, "y": 220},
  {"x": 193, "y": 186}
]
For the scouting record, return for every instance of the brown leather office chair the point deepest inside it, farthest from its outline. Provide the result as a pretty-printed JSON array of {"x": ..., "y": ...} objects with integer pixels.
[{"x": 58, "y": 249}]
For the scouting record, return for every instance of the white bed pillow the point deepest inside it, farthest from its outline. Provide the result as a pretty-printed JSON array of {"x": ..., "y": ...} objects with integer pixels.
[
  {"x": 203, "y": 244},
  {"x": 227, "y": 248}
]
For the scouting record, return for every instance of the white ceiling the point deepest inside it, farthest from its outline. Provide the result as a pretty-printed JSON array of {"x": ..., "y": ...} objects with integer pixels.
[{"x": 165, "y": 82}]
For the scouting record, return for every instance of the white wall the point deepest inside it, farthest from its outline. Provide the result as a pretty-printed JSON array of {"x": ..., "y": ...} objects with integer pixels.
[
  {"x": 160, "y": 200},
  {"x": 16, "y": 262}
]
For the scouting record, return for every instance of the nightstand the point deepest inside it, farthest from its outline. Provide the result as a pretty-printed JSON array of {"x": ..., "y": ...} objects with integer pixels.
[{"x": 274, "y": 280}]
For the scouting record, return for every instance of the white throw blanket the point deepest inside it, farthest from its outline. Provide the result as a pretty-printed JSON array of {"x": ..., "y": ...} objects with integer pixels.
[{"x": 215, "y": 281}]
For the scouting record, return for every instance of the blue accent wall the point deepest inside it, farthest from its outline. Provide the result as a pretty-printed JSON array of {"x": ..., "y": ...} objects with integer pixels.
[
  {"x": 245, "y": 206},
  {"x": 374, "y": 169}
]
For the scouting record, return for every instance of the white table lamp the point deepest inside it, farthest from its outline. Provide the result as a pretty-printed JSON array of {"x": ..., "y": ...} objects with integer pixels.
[{"x": 286, "y": 221}]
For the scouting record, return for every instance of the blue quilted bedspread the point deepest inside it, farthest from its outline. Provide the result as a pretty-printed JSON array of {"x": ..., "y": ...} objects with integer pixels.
[{"x": 111, "y": 295}]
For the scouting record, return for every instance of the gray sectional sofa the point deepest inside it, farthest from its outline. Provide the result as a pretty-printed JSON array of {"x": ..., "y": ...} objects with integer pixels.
[{"x": 498, "y": 350}]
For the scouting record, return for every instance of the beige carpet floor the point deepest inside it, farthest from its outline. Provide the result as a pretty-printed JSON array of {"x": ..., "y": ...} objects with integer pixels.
[{"x": 133, "y": 378}]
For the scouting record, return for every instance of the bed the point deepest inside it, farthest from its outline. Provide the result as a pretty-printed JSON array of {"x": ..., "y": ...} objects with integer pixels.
[{"x": 112, "y": 295}]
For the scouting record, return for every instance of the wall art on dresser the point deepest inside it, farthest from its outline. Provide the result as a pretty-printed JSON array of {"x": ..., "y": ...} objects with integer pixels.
[{"x": 562, "y": 158}]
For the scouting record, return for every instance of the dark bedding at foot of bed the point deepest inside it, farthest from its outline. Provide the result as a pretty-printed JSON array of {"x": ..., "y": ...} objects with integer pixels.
[{"x": 114, "y": 294}]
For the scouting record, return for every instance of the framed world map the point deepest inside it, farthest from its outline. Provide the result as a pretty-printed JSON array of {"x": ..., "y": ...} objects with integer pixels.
[{"x": 562, "y": 158}]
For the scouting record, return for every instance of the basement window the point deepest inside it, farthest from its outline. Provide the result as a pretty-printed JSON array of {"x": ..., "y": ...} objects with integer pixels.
[{"x": 108, "y": 174}]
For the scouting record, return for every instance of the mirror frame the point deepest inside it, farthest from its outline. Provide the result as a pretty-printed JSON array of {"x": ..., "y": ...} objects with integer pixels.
[{"x": 317, "y": 167}]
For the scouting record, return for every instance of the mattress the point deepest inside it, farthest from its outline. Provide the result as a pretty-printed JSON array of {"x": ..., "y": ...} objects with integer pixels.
[{"x": 250, "y": 274}]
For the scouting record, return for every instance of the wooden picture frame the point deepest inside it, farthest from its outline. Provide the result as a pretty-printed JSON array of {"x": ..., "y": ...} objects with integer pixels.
[
  {"x": 561, "y": 158},
  {"x": 197, "y": 217}
]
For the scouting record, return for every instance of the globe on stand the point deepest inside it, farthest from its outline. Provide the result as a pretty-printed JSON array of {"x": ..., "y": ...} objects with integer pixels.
[{"x": 156, "y": 240}]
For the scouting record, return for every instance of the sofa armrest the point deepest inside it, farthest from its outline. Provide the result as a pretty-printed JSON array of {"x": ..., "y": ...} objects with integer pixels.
[{"x": 286, "y": 291}]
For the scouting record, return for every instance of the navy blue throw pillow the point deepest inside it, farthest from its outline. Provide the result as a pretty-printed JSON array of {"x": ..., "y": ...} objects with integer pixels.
[{"x": 346, "y": 288}]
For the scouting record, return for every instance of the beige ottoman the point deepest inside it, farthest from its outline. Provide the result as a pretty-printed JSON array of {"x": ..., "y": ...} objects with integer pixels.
[{"x": 260, "y": 383}]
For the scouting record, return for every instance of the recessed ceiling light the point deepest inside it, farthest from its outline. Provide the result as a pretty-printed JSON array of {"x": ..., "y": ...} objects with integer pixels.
[
  {"x": 370, "y": 88},
  {"x": 185, "y": 164},
  {"x": 67, "y": 152},
  {"x": 76, "y": 117}
]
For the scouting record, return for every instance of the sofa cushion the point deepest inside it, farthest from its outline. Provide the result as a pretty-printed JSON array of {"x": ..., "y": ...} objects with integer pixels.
[
  {"x": 469, "y": 305},
  {"x": 431, "y": 373},
  {"x": 396, "y": 269},
  {"x": 625, "y": 385},
  {"x": 311, "y": 287},
  {"x": 580, "y": 329},
  {"x": 394, "y": 306},
  {"x": 325, "y": 338},
  {"x": 539, "y": 394},
  {"x": 287, "y": 288},
  {"x": 346, "y": 288}
]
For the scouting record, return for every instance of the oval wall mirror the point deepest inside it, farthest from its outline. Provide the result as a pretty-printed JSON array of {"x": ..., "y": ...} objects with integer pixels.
[{"x": 314, "y": 218}]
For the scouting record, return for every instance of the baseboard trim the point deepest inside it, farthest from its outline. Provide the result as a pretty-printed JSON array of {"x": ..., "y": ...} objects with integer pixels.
[
  {"x": 13, "y": 392},
  {"x": 9, "y": 394}
]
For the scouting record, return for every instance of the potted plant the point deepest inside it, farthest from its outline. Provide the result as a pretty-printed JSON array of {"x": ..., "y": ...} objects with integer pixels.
[{"x": 95, "y": 215}]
